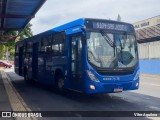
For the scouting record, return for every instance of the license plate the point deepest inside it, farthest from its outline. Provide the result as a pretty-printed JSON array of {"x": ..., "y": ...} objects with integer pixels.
[{"x": 118, "y": 89}]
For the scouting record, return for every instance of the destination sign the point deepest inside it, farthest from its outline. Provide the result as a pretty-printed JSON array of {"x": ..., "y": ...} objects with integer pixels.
[{"x": 111, "y": 26}]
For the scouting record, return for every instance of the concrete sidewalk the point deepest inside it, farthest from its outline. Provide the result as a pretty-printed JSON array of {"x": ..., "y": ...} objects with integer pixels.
[
  {"x": 10, "y": 99},
  {"x": 150, "y": 76},
  {"x": 4, "y": 100}
]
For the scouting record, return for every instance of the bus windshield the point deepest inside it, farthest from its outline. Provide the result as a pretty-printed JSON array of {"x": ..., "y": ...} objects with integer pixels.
[{"x": 107, "y": 50}]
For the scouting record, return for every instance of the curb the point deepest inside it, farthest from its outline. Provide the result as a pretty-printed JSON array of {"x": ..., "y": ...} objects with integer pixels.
[{"x": 16, "y": 101}]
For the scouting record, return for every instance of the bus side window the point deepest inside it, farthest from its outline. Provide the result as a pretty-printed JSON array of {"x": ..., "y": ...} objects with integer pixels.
[
  {"x": 55, "y": 48},
  {"x": 58, "y": 45},
  {"x": 62, "y": 48},
  {"x": 45, "y": 45},
  {"x": 42, "y": 49},
  {"x": 49, "y": 44},
  {"x": 29, "y": 47},
  {"x": 79, "y": 48}
]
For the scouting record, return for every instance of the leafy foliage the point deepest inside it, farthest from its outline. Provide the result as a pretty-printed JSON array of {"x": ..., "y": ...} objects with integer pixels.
[
  {"x": 8, "y": 44},
  {"x": 2, "y": 50},
  {"x": 25, "y": 33}
]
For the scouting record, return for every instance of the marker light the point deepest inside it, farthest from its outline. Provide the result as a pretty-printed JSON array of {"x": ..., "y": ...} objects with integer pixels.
[
  {"x": 137, "y": 75},
  {"x": 92, "y": 87},
  {"x": 92, "y": 76},
  {"x": 137, "y": 84}
]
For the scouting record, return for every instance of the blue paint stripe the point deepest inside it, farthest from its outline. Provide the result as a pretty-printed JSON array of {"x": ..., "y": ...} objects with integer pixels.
[{"x": 150, "y": 66}]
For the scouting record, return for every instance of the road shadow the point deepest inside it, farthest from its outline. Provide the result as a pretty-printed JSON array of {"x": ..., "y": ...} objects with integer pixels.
[{"x": 40, "y": 97}]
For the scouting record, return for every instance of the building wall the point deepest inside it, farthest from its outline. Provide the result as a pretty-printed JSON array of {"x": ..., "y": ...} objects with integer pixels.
[
  {"x": 147, "y": 23},
  {"x": 150, "y": 66},
  {"x": 149, "y": 54},
  {"x": 148, "y": 36},
  {"x": 149, "y": 50}
]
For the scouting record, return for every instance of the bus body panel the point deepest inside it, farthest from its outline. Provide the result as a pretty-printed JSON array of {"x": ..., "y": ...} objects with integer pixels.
[
  {"x": 109, "y": 83},
  {"x": 42, "y": 66}
]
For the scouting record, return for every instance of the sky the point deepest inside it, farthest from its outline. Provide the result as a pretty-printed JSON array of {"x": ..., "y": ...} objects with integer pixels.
[{"x": 57, "y": 12}]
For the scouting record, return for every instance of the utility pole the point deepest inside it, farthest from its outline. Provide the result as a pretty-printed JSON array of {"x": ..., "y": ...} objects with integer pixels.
[{"x": 119, "y": 18}]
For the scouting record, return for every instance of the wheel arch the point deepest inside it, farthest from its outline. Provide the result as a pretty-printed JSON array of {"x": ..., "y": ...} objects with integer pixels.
[{"x": 58, "y": 73}]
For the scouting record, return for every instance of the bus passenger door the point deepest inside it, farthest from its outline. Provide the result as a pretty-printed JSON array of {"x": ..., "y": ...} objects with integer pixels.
[
  {"x": 35, "y": 60},
  {"x": 20, "y": 60},
  {"x": 76, "y": 62}
]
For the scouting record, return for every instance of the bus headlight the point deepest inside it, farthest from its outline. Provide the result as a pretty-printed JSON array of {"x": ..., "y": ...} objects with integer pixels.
[
  {"x": 92, "y": 87},
  {"x": 92, "y": 76},
  {"x": 137, "y": 75}
]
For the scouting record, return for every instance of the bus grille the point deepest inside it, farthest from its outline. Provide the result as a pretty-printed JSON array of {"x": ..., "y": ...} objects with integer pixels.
[
  {"x": 110, "y": 87},
  {"x": 126, "y": 72}
]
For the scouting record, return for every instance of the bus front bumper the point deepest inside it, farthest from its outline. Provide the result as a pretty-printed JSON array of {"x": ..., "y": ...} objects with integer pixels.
[{"x": 99, "y": 87}]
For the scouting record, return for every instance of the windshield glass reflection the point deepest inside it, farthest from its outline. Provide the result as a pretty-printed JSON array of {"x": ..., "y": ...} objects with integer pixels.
[{"x": 106, "y": 50}]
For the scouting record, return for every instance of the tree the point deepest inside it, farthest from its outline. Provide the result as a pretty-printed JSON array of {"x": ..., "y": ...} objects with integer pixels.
[
  {"x": 2, "y": 50},
  {"x": 9, "y": 43},
  {"x": 26, "y": 32}
]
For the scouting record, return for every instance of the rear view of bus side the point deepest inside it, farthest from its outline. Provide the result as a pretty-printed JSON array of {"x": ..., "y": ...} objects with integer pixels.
[{"x": 86, "y": 55}]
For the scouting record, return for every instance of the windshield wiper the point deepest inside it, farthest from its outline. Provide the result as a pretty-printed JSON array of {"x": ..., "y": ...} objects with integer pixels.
[
  {"x": 121, "y": 51},
  {"x": 109, "y": 41},
  {"x": 107, "y": 38}
]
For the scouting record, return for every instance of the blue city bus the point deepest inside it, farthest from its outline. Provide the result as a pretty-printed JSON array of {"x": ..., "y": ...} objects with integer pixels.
[{"x": 86, "y": 55}]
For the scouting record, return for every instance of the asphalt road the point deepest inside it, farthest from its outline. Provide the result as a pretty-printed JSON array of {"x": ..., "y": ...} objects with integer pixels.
[{"x": 39, "y": 98}]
